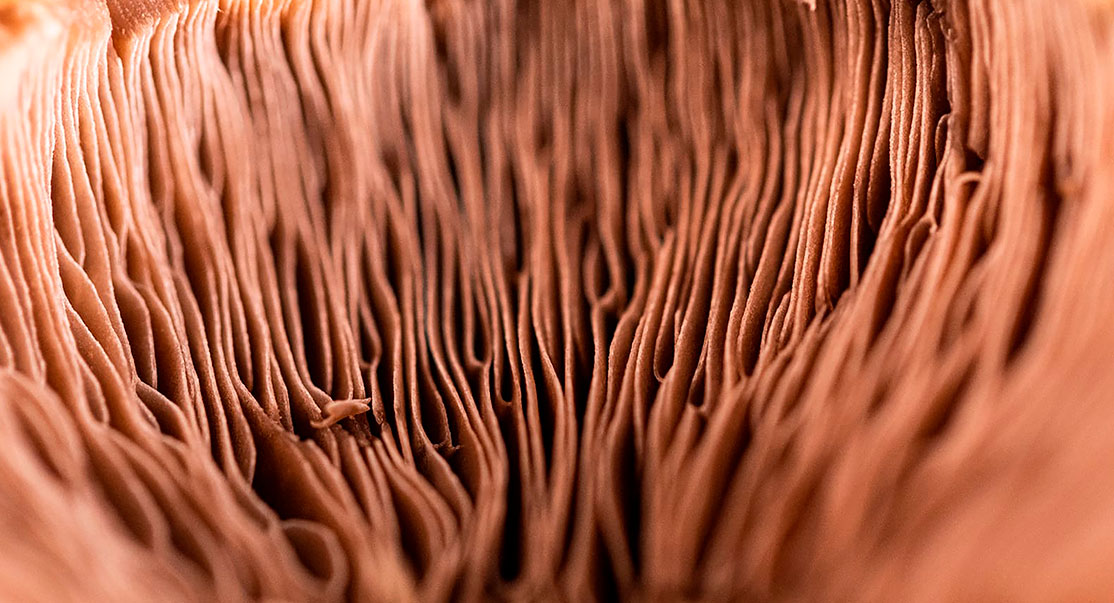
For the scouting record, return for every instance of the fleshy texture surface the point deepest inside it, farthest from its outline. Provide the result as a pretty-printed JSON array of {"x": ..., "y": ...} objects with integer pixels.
[{"x": 391, "y": 300}]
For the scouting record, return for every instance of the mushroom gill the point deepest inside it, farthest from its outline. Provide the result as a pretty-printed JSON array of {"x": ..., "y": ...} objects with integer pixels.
[{"x": 392, "y": 300}]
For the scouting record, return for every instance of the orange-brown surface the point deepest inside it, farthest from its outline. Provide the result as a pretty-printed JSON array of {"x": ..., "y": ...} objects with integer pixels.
[{"x": 562, "y": 300}]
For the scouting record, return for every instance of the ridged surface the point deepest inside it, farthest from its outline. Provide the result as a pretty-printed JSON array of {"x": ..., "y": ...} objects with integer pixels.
[{"x": 386, "y": 300}]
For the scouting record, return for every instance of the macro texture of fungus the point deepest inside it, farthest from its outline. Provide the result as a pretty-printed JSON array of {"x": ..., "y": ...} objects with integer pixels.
[{"x": 402, "y": 300}]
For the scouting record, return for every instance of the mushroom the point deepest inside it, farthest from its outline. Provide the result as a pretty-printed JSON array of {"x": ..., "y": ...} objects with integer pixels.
[{"x": 647, "y": 299}]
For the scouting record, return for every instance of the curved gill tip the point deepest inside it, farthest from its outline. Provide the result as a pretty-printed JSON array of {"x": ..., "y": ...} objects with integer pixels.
[{"x": 338, "y": 410}]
